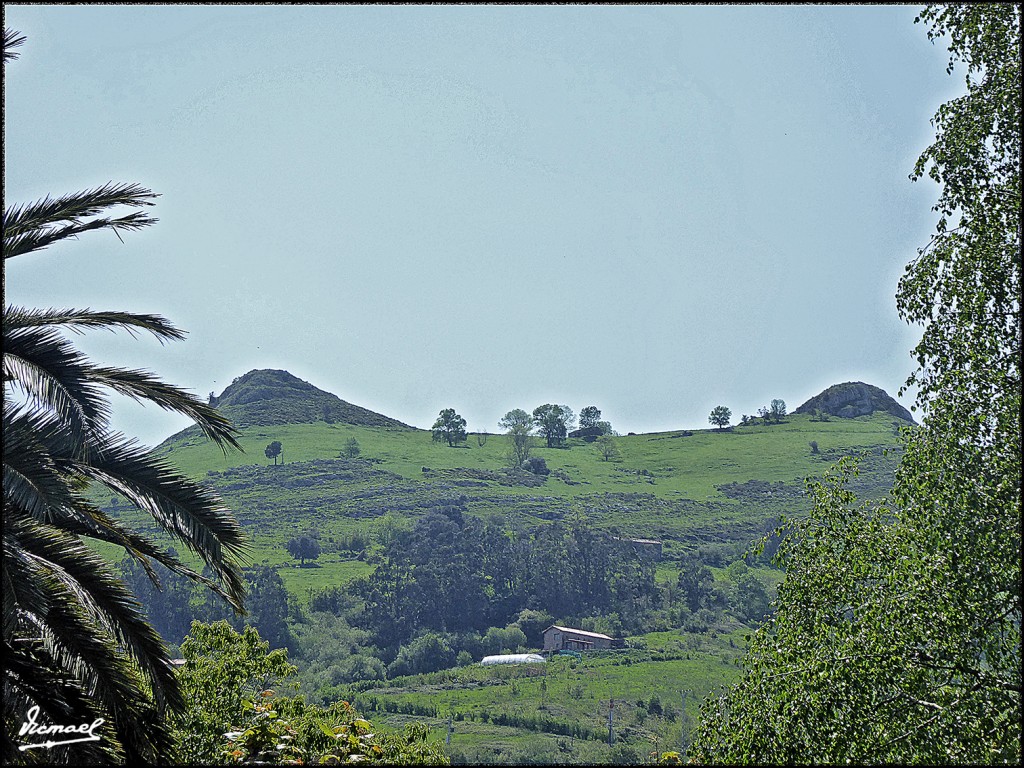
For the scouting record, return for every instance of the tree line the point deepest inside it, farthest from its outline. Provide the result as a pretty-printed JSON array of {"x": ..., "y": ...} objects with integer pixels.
[{"x": 452, "y": 572}]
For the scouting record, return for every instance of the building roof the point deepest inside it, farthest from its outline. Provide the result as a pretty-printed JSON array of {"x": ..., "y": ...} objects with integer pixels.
[{"x": 580, "y": 632}]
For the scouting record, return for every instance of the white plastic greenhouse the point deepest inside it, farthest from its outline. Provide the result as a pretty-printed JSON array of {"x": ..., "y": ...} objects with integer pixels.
[{"x": 514, "y": 658}]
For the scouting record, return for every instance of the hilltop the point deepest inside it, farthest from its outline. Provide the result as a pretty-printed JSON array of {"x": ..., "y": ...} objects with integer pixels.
[
  {"x": 267, "y": 397},
  {"x": 855, "y": 398}
]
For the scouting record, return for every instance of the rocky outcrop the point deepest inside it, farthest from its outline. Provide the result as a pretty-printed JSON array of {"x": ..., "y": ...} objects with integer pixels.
[{"x": 855, "y": 398}]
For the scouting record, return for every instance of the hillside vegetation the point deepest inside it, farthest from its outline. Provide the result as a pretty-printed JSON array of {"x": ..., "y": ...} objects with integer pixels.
[{"x": 707, "y": 495}]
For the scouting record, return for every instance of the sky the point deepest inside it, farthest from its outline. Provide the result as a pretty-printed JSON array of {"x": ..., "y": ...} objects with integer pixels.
[{"x": 651, "y": 209}]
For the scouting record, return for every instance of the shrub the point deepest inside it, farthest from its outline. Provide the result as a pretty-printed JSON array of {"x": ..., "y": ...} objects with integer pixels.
[{"x": 536, "y": 465}]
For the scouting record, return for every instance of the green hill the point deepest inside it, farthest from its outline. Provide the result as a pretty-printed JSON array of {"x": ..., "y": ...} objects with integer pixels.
[{"x": 705, "y": 487}]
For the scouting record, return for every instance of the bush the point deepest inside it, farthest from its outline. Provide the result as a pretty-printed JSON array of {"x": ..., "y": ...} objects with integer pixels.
[
  {"x": 536, "y": 465},
  {"x": 428, "y": 653}
]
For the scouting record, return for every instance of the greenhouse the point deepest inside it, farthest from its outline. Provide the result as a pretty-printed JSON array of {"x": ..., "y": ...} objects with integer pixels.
[{"x": 514, "y": 658}]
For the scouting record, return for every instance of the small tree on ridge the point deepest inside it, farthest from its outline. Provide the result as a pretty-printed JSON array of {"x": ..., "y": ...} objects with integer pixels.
[
  {"x": 449, "y": 427},
  {"x": 720, "y": 416}
]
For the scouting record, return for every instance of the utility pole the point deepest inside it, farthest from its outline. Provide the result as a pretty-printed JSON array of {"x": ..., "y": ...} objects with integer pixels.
[
  {"x": 682, "y": 726},
  {"x": 611, "y": 718}
]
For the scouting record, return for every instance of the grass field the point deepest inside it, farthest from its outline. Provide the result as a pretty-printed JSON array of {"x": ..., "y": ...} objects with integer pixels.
[
  {"x": 685, "y": 489},
  {"x": 563, "y": 706},
  {"x": 678, "y": 465}
]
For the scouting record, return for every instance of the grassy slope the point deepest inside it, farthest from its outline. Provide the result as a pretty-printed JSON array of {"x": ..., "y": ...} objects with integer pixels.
[
  {"x": 665, "y": 485},
  {"x": 687, "y": 467}
]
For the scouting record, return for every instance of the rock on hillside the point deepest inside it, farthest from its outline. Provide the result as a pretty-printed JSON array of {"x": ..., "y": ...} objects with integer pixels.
[
  {"x": 855, "y": 398},
  {"x": 269, "y": 397}
]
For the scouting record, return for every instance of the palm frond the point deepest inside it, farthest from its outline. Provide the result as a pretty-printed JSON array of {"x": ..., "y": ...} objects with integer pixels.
[
  {"x": 45, "y": 366},
  {"x": 142, "y": 385},
  {"x": 36, "y": 240},
  {"x": 186, "y": 510},
  {"x": 34, "y": 226},
  {"x": 12, "y": 39},
  {"x": 33, "y": 678},
  {"x": 77, "y": 319},
  {"x": 30, "y": 217},
  {"x": 39, "y": 456},
  {"x": 32, "y": 479},
  {"x": 90, "y": 622}
]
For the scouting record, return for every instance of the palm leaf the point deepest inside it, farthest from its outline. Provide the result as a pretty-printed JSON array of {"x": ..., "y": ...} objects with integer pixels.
[
  {"x": 186, "y": 510},
  {"x": 93, "y": 626},
  {"x": 35, "y": 226},
  {"x": 12, "y": 39},
  {"x": 76, "y": 319},
  {"x": 141, "y": 385},
  {"x": 33, "y": 678},
  {"x": 45, "y": 366}
]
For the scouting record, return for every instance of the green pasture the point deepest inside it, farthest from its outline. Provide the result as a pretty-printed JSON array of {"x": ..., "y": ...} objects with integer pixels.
[
  {"x": 667, "y": 465},
  {"x": 671, "y": 668}
]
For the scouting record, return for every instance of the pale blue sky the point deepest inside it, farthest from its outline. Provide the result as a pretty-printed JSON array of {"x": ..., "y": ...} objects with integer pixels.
[{"x": 650, "y": 209}]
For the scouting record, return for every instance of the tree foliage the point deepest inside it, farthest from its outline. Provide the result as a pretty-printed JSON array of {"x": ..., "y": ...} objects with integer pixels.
[
  {"x": 896, "y": 637},
  {"x": 518, "y": 425},
  {"x": 233, "y": 714},
  {"x": 455, "y": 573},
  {"x": 449, "y": 427},
  {"x": 303, "y": 548},
  {"x": 720, "y": 416},
  {"x": 607, "y": 448},
  {"x": 223, "y": 669},
  {"x": 274, "y": 450},
  {"x": 590, "y": 416},
  {"x": 553, "y": 422}
]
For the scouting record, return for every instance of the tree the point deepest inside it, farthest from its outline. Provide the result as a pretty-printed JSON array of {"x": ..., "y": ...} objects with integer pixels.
[
  {"x": 607, "y": 448},
  {"x": 76, "y": 644},
  {"x": 351, "y": 449},
  {"x": 224, "y": 671},
  {"x": 896, "y": 637},
  {"x": 589, "y": 417},
  {"x": 304, "y": 548},
  {"x": 274, "y": 450},
  {"x": 449, "y": 427},
  {"x": 168, "y": 605},
  {"x": 268, "y": 605},
  {"x": 765, "y": 414},
  {"x": 778, "y": 410},
  {"x": 695, "y": 582},
  {"x": 233, "y": 715},
  {"x": 750, "y": 597},
  {"x": 518, "y": 425},
  {"x": 720, "y": 416},
  {"x": 553, "y": 422}
]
